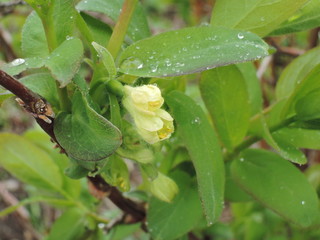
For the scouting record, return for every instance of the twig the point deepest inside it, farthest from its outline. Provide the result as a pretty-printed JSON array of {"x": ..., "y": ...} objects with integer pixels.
[
  {"x": 136, "y": 211},
  {"x": 6, "y": 48}
]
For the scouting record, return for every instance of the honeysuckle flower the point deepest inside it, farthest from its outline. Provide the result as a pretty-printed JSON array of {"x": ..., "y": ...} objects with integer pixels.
[
  {"x": 144, "y": 104},
  {"x": 163, "y": 188}
]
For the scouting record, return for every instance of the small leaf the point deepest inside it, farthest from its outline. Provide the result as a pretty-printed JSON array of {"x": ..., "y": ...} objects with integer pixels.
[
  {"x": 296, "y": 71},
  {"x": 28, "y": 162},
  {"x": 4, "y": 94},
  {"x": 43, "y": 84},
  {"x": 69, "y": 226},
  {"x": 19, "y": 65},
  {"x": 257, "y": 16},
  {"x": 305, "y": 18},
  {"x": 202, "y": 144},
  {"x": 84, "y": 134},
  {"x": 65, "y": 60},
  {"x": 277, "y": 184},
  {"x": 33, "y": 38},
  {"x": 107, "y": 59},
  {"x": 164, "y": 219},
  {"x": 138, "y": 28},
  {"x": 190, "y": 50},
  {"x": 224, "y": 92}
]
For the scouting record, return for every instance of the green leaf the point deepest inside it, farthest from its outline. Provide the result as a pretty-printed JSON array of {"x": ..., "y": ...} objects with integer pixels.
[
  {"x": 190, "y": 50},
  {"x": 257, "y": 16},
  {"x": 224, "y": 92},
  {"x": 202, "y": 144},
  {"x": 164, "y": 219},
  {"x": 116, "y": 173},
  {"x": 249, "y": 73},
  {"x": 296, "y": 71},
  {"x": 308, "y": 107},
  {"x": 64, "y": 16},
  {"x": 64, "y": 61},
  {"x": 19, "y": 65},
  {"x": 44, "y": 85},
  {"x": 69, "y": 226},
  {"x": 300, "y": 137},
  {"x": 138, "y": 28},
  {"x": 107, "y": 60},
  {"x": 283, "y": 147},
  {"x": 33, "y": 38},
  {"x": 233, "y": 192},
  {"x": 28, "y": 162},
  {"x": 101, "y": 32},
  {"x": 305, "y": 18},
  {"x": 84, "y": 134},
  {"x": 306, "y": 85},
  {"x": 4, "y": 94},
  {"x": 277, "y": 184}
]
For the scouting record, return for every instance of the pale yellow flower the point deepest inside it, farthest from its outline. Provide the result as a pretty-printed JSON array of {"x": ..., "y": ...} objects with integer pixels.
[{"x": 143, "y": 103}]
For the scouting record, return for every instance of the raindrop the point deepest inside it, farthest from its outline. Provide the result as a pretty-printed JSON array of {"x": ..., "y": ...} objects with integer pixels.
[
  {"x": 262, "y": 19},
  {"x": 241, "y": 159},
  {"x": 137, "y": 47},
  {"x": 188, "y": 37},
  {"x": 240, "y": 36},
  {"x": 196, "y": 121},
  {"x": 303, "y": 202},
  {"x": 132, "y": 63},
  {"x": 154, "y": 68},
  {"x": 101, "y": 225},
  {"x": 18, "y": 62},
  {"x": 69, "y": 37}
]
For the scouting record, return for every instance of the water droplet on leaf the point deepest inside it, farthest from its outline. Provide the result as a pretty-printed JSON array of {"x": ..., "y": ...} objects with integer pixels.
[
  {"x": 18, "y": 62},
  {"x": 132, "y": 63},
  {"x": 240, "y": 36}
]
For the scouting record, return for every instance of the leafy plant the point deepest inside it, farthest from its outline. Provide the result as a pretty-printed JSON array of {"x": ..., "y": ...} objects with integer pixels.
[{"x": 184, "y": 106}]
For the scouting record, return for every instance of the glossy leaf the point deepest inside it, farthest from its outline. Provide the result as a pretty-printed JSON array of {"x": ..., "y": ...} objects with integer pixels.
[
  {"x": 308, "y": 107},
  {"x": 257, "y": 16},
  {"x": 43, "y": 84},
  {"x": 296, "y": 71},
  {"x": 33, "y": 38},
  {"x": 277, "y": 184},
  {"x": 224, "y": 92},
  {"x": 138, "y": 28},
  {"x": 84, "y": 134},
  {"x": 305, "y": 18},
  {"x": 29, "y": 163},
  {"x": 300, "y": 137},
  {"x": 203, "y": 146},
  {"x": 69, "y": 226},
  {"x": 164, "y": 219},
  {"x": 190, "y": 50},
  {"x": 65, "y": 60}
]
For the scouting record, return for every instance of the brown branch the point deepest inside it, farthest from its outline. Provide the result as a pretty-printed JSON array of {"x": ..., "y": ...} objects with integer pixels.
[
  {"x": 6, "y": 48},
  {"x": 136, "y": 211}
]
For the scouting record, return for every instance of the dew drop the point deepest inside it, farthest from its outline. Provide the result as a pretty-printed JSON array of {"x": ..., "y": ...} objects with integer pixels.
[
  {"x": 303, "y": 202},
  {"x": 18, "y": 62},
  {"x": 132, "y": 63},
  {"x": 240, "y": 36},
  {"x": 196, "y": 121},
  {"x": 68, "y": 37},
  {"x": 241, "y": 159}
]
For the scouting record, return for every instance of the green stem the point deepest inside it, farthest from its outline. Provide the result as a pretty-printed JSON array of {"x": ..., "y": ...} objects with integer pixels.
[
  {"x": 119, "y": 31},
  {"x": 64, "y": 100},
  {"x": 253, "y": 139}
]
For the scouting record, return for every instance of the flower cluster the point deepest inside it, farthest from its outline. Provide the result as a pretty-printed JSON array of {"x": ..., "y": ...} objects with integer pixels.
[{"x": 144, "y": 104}]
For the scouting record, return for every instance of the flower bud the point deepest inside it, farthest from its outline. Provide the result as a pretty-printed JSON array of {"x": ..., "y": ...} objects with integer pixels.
[
  {"x": 163, "y": 188},
  {"x": 143, "y": 103}
]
